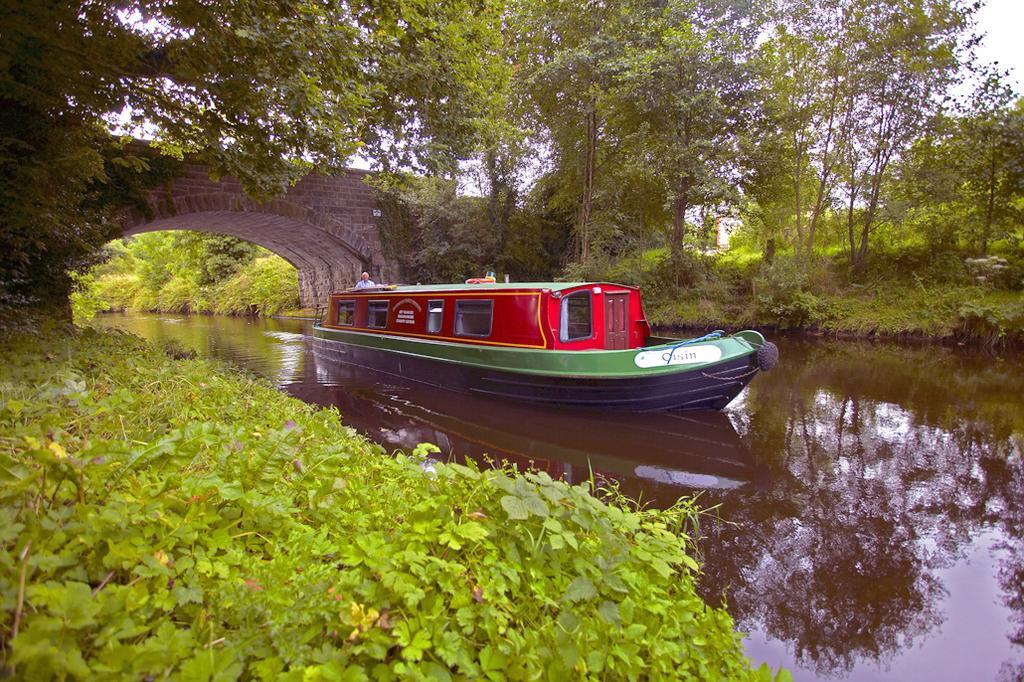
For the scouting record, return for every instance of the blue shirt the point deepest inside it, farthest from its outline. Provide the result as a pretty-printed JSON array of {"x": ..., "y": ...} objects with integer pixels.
[{"x": 363, "y": 284}]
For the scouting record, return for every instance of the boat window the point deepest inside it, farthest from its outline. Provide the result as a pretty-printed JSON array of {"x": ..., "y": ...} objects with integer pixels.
[
  {"x": 473, "y": 318},
  {"x": 576, "y": 317},
  {"x": 346, "y": 313},
  {"x": 435, "y": 313},
  {"x": 377, "y": 314}
]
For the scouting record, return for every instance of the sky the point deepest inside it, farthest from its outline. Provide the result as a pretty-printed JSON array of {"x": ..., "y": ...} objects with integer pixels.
[{"x": 1002, "y": 22}]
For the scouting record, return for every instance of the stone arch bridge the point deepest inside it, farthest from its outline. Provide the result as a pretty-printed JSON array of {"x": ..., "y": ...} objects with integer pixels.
[{"x": 326, "y": 226}]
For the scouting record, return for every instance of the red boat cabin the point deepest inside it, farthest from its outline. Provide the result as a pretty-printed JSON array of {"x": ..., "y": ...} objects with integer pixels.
[{"x": 557, "y": 316}]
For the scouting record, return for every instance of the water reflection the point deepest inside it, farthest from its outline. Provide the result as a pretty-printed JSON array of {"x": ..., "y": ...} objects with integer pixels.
[
  {"x": 889, "y": 468},
  {"x": 273, "y": 348},
  {"x": 878, "y": 493},
  {"x": 656, "y": 458}
]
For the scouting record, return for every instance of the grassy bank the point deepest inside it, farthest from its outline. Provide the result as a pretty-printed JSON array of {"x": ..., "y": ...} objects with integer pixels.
[
  {"x": 966, "y": 314},
  {"x": 298, "y": 313},
  {"x": 907, "y": 293},
  {"x": 166, "y": 516}
]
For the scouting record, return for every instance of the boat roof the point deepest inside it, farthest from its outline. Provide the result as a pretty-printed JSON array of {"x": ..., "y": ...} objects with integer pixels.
[{"x": 495, "y": 286}]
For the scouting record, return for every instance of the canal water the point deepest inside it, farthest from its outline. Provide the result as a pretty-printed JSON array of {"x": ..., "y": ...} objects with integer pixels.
[{"x": 870, "y": 498}]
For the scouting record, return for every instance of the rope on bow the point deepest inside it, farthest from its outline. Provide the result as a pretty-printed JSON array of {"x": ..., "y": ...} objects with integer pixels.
[{"x": 710, "y": 336}]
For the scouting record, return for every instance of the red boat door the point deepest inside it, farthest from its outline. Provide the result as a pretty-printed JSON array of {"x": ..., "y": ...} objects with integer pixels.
[{"x": 616, "y": 307}]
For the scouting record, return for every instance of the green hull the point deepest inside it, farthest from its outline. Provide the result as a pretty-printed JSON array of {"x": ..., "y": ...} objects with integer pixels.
[{"x": 593, "y": 364}]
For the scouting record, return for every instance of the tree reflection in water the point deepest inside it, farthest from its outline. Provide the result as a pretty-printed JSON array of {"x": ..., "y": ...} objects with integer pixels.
[
  {"x": 1005, "y": 509},
  {"x": 886, "y": 463}
]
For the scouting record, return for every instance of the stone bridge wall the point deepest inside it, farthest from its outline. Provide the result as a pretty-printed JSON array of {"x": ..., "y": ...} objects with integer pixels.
[{"x": 325, "y": 225}]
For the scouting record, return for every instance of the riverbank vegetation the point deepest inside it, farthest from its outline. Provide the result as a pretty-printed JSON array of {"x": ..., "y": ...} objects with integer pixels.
[
  {"x": 865, "y": 162},
  {"x": 910, "y": 293},
  {"x": 176, "y": 516},
  {"x": 187, "y": 272}
]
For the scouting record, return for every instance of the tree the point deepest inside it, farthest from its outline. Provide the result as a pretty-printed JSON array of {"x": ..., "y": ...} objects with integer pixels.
[
  {"x": 928, "y": 182},
  {"x": 852, "y": 85},
  {"x": 990, "y": 142},
  {"x": 768, "y": 187},
  {"x": 264, "y": 90},
  {"x": 965, "y": 179},
  {"x": 563, "y": 56},
  {"x": 804, "y": 72},
  {"x": 431, "y": 232},
  {"x": 214, "y": 257},
  {"x": 499, "y": 164},
  {"x": 904, "y": 55},
  {"x": 683, "y": 92}
]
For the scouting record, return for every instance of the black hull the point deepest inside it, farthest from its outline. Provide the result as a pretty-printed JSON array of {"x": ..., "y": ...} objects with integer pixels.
[{"x": 701, "y": 388}]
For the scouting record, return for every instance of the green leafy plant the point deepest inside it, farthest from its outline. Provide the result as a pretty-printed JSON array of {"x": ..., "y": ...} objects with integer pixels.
[
  {"x": 782, "y": 298},
  {"x": 176, "y": 517},
  {"x": 991, "y": 323}
]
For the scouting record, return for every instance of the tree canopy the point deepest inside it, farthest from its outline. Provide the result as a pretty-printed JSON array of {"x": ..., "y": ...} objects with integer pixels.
[{"x": 264, "y": 90}]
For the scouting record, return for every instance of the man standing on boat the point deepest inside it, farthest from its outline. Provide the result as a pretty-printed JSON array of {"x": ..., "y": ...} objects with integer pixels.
[{"x": 365, "y": 281}]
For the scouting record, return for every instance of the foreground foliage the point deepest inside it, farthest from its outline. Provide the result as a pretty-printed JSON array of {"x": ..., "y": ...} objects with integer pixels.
[{"x": 165, "y": 516}]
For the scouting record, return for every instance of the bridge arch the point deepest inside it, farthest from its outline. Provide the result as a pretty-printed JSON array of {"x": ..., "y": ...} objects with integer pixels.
[{"x": 324, "y": 226}]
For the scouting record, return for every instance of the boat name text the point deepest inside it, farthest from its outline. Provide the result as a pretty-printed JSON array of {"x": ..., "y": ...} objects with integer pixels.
[{"x": 678, "y": 355}]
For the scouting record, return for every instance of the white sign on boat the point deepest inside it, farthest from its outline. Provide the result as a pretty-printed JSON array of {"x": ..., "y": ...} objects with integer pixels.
[{"x": 678, "y": 355}]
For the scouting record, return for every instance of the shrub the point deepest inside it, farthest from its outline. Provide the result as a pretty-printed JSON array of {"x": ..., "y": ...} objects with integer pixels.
[
  {"x": 85, "y": 302},
  {"x": 266, "y": 286},
  {"x": 800, "y": 309},
  {"x": 946, "y": 268},
  {"x": 780, "y": 295},
  {"x": 991, "y": 323},
  {"x": 179, "y": 295},
  {"x": 103, "y": 293},
  {"x": 653, "y": 270},
  {"x": 990, "y": 271},
  {"x": 188, "y": 273}
]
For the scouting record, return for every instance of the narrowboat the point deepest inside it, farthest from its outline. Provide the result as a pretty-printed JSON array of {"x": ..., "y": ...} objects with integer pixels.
[{"x": 567, "y": 343}]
